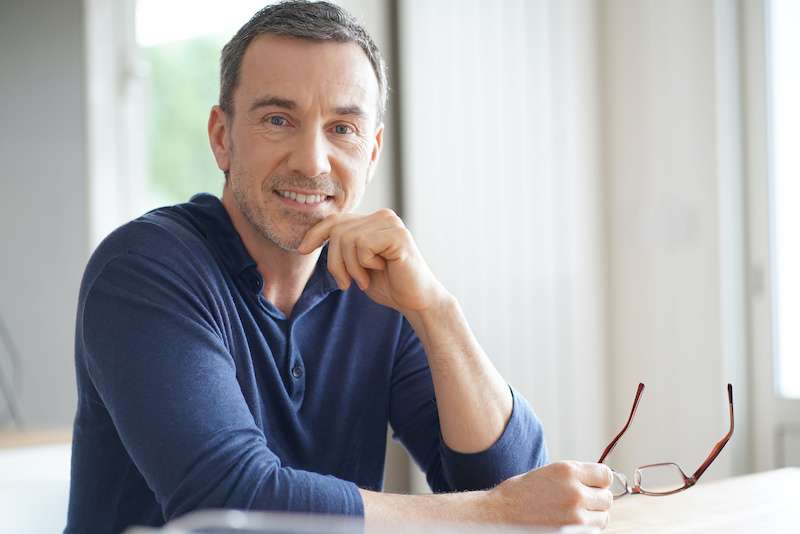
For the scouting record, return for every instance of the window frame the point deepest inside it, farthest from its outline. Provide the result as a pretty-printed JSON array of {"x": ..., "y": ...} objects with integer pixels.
[
  {"x": 775, "y": 416},
  {"x": 115, "y": 84}
]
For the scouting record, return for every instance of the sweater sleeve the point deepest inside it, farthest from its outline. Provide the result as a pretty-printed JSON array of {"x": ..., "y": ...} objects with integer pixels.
[
  {"x": 164, "y": 373},
  {"x": 415, "y": 420}
]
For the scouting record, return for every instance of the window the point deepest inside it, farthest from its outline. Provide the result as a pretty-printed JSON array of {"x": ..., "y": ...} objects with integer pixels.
[
  {"x": 178, "y": 46},
  {"x": 784, "y": 125}
]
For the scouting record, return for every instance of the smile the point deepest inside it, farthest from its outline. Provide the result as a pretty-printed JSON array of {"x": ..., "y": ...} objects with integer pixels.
[{"x": 302, "y": 198}]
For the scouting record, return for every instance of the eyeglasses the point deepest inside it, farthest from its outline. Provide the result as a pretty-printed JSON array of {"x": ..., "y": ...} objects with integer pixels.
[{"x": 664, "y": 478}]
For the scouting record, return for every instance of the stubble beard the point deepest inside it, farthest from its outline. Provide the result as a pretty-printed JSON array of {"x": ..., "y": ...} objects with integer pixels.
[{"x": 267, "y": 222}]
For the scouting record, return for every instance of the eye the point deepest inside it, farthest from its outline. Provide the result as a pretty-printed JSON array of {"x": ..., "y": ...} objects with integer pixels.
[
  {"x": 343, "y": 129},
  {"x": 276, "y": 120}
]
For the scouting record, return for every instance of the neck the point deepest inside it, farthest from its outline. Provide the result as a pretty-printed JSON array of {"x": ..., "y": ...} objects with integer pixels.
[{"x": 285, "y": 272}]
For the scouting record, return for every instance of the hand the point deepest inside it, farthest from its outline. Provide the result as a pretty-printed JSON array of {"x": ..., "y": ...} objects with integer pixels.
[
  {"x": 561, "y": 493},
  {"x": 378, "y": 252}
]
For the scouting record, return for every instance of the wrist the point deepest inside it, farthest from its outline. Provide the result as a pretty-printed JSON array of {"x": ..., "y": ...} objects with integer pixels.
[
  {"x": 443, "y": 306},
  {"x": 491, "y": 506}
]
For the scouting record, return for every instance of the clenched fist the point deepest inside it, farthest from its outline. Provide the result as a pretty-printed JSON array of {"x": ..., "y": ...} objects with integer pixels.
[{"x": 561, "y": 493}]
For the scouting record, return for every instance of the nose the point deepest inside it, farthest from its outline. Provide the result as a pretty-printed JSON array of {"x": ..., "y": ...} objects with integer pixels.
[{"x": 310, "y": 154}]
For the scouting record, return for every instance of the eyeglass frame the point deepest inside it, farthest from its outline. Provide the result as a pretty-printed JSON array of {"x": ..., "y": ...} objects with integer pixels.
[{"x": 688, "y": 482}]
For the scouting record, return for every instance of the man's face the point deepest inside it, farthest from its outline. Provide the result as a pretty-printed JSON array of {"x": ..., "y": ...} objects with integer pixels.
[{"x": 302, "y": 142}]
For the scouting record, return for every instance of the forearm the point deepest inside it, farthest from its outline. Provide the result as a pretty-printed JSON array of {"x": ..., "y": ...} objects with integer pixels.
[
  {"x": 473, "y": 399},
  {"x": 562, "y": 493},
  {"x": 470, "y": 506}
]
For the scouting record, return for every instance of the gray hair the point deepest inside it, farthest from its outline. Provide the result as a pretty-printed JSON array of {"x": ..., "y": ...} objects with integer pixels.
[{"x": 315, "y": 21}]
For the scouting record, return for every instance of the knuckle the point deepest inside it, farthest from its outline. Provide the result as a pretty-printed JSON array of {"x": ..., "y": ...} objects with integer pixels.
[
  {"x": 566, "y": 469},
  {"x": 390, "y": 215},
  {"x": 609, "y": 474},
  {"x": 405, "y": 233}
]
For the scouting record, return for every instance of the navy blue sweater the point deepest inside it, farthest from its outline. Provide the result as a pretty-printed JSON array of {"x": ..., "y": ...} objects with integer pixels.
[{"x": 196, "y": 392}]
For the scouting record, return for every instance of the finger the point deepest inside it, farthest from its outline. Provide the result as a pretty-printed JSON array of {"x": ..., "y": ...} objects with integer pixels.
[
  {"x": 317, "y": 235},
  {"x": 595, "y": 519},
  {"x": 595, "y": 475},
  {"x": 347, "y": 246},
  {"x": 336, "y": 263},
  {"x": 368, "y": 243},
  {"x": 368, "y": 258},
  {"x": 388, "y": 244},
  {"x": 339, "y": 239},
  {"x": 598, "y": 500}
]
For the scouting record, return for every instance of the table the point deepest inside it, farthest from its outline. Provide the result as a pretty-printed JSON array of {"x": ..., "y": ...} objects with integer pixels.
[
  {"x": 34, "y": 481},
  {"x": 17, "y": 438},
  {"x": 762, "y": 502}
]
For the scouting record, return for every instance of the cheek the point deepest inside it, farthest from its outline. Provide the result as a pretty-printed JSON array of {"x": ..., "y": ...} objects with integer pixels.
[
  {"x": 353, "y": 171},
  {"x": 357, "y": 158},
  {"x": 257, "y": 153}
]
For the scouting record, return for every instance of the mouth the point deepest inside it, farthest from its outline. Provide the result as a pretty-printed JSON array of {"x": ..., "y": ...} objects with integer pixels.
[{"x": 303, "y": 199}]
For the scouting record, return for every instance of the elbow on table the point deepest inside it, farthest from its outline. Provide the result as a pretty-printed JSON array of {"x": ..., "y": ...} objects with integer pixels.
[{"x": 238, "y": 486}]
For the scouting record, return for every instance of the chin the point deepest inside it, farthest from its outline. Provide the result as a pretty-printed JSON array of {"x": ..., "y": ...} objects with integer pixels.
[{"x": 288, "y": 239}]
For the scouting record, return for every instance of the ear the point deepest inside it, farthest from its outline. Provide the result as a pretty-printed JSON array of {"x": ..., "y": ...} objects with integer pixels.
[
  {"x": 376, "y": 152},
  {"x": 219, "y": 137}
]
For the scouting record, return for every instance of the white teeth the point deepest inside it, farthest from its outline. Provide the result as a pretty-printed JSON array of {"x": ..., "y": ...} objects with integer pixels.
[{"x": 302, "y": 199}]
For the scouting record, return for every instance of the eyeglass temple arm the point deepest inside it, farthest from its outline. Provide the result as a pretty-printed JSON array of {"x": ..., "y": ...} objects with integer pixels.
[
  {"x": 721, "y": 443},
  {"x": 625, "y": 428}
]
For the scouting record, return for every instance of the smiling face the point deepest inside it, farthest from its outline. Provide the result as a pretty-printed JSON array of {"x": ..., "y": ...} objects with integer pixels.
[{"x": 302, "y": 142}]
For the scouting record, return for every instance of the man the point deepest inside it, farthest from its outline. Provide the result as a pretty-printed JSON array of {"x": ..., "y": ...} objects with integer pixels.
[{"x": 226, "y": 359}]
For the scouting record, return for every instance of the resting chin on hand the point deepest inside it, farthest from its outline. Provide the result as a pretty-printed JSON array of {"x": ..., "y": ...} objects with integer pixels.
[{"x": 378, "y": 253}]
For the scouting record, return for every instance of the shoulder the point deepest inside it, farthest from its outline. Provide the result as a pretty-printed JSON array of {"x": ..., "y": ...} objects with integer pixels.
[{"x": 165, "y": 244}]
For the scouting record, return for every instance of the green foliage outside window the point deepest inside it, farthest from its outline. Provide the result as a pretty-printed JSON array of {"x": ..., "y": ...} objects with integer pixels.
[{"x": 184, "y": 84}]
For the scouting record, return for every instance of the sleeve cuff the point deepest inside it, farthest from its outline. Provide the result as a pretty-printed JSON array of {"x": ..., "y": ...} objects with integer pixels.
[
  {"x": 519, "y": 449},
  {"x": 335, "y": 496},
  {"x": 355, "y": 503}
]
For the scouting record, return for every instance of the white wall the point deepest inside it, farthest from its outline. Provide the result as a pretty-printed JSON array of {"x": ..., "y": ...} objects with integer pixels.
[
  {"x": 674, "y": 220},
  {"x": 574, "y": 175},
  {"x": 503, "y": 192},
  {"x": 43, "y": 201},
  {"x": 375, "y": 16}
]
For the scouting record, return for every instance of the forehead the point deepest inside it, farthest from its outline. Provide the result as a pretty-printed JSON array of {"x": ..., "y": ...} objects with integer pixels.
[{"x": 303, "y": 69}]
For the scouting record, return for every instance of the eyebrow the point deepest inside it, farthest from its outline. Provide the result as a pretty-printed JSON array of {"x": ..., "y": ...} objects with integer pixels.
[
  {"x": 285, "y": 103},
  {"x": 354, "y": 110},
  {"x": 272, "y": 101}
]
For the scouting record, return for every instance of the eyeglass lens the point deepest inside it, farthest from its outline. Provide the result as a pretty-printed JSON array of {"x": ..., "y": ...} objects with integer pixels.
[
  {"x": 661, "y": 478},
  {"x": 619, "y": 486}
]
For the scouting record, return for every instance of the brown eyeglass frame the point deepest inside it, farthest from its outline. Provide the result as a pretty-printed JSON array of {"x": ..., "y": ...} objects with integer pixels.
[{"x": 688, "y": 482}]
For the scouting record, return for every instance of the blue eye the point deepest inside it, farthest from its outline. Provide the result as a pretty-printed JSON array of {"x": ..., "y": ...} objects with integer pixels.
[
  {"x": 342, "y": 129},
  {"x": 276, "y": 120}
]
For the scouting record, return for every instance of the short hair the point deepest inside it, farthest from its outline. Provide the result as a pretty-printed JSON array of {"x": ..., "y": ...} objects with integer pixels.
[{"x": 314, "y": 21}]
